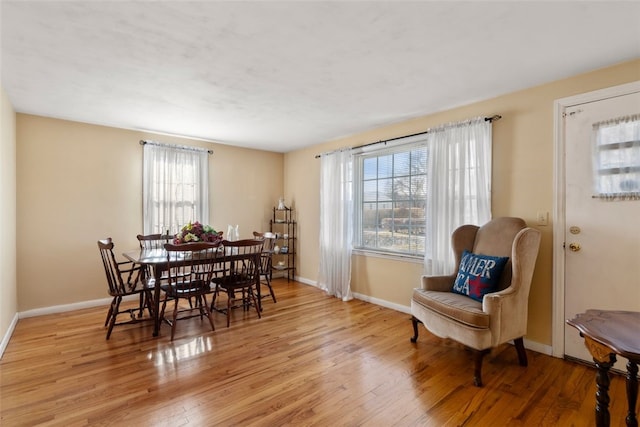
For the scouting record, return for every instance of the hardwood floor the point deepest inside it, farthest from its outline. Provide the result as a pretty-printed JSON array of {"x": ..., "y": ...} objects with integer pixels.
[{"x": 310, "y": 360}]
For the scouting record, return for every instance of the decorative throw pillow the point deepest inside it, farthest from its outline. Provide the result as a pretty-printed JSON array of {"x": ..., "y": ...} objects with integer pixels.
[{"x": 478, "y": 274}]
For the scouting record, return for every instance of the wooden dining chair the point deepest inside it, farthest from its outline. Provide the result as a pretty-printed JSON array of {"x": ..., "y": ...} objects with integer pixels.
[
  {"x": 190, "y": 271},
  {"x": 266, "y": 262},
  {"x": 241, "y": 276},
  {"x": 154, "y": 241},
  {"x": 123, "y": 279}
]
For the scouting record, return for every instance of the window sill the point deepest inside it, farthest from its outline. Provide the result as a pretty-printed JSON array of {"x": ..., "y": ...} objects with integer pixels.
[{"x": 385, "y": 255}]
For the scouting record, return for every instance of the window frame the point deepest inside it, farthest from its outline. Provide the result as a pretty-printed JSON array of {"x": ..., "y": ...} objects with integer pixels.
[
  {"x": 616, "y": 163},
  {"x": 399, "y": 146},
  {"x": 160, "y": 190}
]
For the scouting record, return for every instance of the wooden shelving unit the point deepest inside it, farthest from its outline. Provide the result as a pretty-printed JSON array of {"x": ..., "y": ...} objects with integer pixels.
[{"x": 283, "y": 225}]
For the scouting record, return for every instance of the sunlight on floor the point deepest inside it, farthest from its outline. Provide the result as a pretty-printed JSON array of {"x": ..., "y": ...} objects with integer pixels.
[{"x": 175, "y": 353}]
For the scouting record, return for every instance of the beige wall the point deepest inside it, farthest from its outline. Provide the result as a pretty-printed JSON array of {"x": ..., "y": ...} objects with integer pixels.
[
  {"x": 8, "y": 282},
  {"x": 78, "y": 183},
  {"x": 523, "y": 157}
]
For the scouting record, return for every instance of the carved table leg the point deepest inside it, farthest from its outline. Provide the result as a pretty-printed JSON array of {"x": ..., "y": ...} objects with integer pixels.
[
  {"x": 602, "y": 394},
  {"x": 604, "y": 360},
  {"x": 632, "y": 393}
]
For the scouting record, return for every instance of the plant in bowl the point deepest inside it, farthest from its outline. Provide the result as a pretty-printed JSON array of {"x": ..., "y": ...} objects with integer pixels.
[{"x": 197, "y": 232}]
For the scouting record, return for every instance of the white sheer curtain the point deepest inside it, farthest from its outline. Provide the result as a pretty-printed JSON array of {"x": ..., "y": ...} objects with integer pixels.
[
  {"x": 458, "y": 187},
  {"x": 175, "y": 187},
  {"x": 336, "y": 223}
]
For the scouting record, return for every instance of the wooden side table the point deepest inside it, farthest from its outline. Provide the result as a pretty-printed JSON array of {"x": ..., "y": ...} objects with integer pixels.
[{"x": 607, "y": 333}]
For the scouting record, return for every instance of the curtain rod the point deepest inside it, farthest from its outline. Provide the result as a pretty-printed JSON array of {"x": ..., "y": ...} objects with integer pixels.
[
  {"x": 181, "y": 147},
  {"x": 491, "y": 119}
]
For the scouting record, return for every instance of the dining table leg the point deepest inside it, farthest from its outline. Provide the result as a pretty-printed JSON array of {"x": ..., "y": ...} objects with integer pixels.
[{"x": 157, "y": 272}]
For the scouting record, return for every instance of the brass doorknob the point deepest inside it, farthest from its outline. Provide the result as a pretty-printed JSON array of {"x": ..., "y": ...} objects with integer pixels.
[{"x": 575, "y": 247}]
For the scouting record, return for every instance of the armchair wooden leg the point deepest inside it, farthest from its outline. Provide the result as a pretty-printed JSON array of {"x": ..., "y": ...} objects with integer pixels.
[
  {"x": 477, "y": 374},
  {"x": 415, "y": 321},
  {"x": 522, "y": 354}
]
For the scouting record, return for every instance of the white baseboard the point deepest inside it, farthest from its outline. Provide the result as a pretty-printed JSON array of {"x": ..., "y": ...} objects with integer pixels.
[
  {"x": 7, "y": 336},
  {"x": 537, "y": 347},
  {"x": 306, "y": 281},
  {"x": 383, "y": 303},
  {"x": 53, "y": 310},
  {"x": 68, "y": 307}
]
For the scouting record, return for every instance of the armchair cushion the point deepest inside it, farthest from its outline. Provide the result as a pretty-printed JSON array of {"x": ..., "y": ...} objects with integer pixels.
[
  {"x": 478, "y": 275},
  {"x": 456, "y": 307}
]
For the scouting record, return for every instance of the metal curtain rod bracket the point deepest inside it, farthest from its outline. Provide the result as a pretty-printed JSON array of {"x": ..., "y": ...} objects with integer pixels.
[
  {"x": 179, "y": 147},
  {"x": 491, "y": 119}
]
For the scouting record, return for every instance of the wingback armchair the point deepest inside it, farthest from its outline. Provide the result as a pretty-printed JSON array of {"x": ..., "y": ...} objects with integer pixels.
[{"x": 497, "y": 317}]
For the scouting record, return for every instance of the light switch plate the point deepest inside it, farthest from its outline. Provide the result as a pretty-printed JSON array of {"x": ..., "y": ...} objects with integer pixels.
[{"x": 543, "y": 218}]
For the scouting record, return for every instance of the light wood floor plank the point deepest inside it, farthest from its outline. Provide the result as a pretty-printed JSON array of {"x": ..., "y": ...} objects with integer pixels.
[{"x": 311, "y": 360}]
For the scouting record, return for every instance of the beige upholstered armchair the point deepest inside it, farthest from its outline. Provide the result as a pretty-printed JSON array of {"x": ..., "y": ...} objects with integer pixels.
[{"x": 501, "y": 314}]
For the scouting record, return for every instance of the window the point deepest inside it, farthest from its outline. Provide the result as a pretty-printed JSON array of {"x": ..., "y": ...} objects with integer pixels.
[
  {"x": 617, "y": 158},
  {"x": 410, "y": 196},
  {"x": 390, "y": 199},
  {"x": 175, "y": 187}
]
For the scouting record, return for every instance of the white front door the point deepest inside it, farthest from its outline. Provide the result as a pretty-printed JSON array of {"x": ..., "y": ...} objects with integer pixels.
[{"x": 602, "y": 228}]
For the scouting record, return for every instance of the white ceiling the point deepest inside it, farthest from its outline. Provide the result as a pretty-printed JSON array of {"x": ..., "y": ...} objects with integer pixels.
[{"x": 283, "y": 75}]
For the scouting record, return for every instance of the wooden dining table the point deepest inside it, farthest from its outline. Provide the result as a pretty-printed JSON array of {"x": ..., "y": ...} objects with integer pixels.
[
  {"x": 157, "y": 259},
  {"x": 607, "y": 333}
]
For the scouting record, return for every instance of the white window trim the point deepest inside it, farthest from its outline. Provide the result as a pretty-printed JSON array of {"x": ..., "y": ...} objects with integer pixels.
[{"x": 400, "y": 145}]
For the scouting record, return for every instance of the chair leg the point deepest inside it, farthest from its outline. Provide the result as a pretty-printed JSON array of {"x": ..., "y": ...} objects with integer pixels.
[
  {"x": 268, "y": 282},
  {"x": 255, "y": 302},
  {"x": 245, "y": 300},
  {"x": 229, "y": 299},
  {"x": 115, "y": 308},
  {"x": 164, "y": 305},
  {"x": 142, "y": 304},
  {"x": 149, "y": 301},
  {"x": 415, "y": 321},
  {"x": 110, "y": 312},
  {"x": 477, "y": 374},
  {"x": 204, "y": 306},
  {"x": 199, "y": 306},
  {"x": 213, "y": 299},
  {"x": 522, "y": 353},
  {"x": 175, "y": 317}
]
